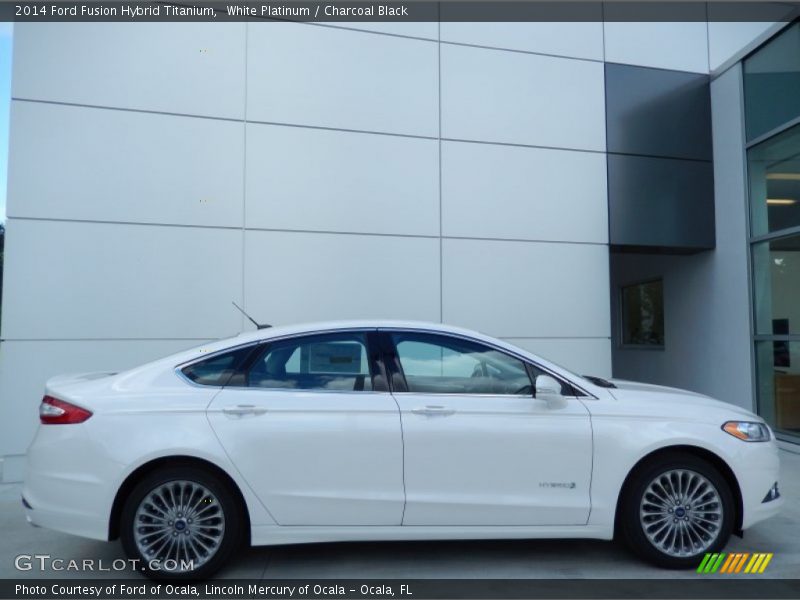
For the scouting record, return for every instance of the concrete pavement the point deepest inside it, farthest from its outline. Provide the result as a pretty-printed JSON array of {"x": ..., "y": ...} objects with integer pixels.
[{"x": 479, "y": 559}]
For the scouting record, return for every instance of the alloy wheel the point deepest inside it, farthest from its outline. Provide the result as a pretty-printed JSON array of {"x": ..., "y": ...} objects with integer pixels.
[
  {"x": 179, "y": 521},
  {"x": 681, "y": 513}
]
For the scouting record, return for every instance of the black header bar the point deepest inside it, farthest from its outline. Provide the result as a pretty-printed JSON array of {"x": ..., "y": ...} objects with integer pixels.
[{"x": 399, "y": 11}]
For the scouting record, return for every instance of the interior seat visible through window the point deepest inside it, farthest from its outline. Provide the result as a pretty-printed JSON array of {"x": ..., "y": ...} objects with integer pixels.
[{"x": 333, "y": 362}]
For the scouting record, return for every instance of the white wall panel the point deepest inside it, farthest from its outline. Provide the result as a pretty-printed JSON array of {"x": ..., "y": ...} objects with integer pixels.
[
  {"x": 26, "y": 366},
  {"x": 680, "y": 46},
  {"x": 334, "y": 77},
  {"x": 88, "y": 280},
  {"x": 85, "y": 163},
  {"x": 313, "y": 179},
  {"x": 523, "y": 193},
  {"x": 579, "y": 39},
  {"x": 512, "y": 97},
  {"x": 194, "y": 68},
  {"x": 526, "y": 289},
  {"x": 585, "y": 356},
  {"x": 301, "y": 277}
]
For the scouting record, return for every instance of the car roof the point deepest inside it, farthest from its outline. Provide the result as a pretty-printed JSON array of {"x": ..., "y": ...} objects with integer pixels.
[{"x": 281, "y": 330}]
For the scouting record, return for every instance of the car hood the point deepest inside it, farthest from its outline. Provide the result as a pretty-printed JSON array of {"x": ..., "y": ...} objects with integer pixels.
[{"x": 655, "y": 397}]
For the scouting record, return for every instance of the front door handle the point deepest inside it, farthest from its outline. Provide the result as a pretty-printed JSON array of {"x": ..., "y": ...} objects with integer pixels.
[
  {"x": 433, "y": 411},
  {"x": 243, "y": 410}
]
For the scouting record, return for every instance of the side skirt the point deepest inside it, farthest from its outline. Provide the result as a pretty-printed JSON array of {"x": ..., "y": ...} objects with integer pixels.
[{"x": 271, "y": 535}]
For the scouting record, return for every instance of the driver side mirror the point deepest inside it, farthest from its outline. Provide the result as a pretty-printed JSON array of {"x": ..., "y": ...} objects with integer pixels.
[{"x": 549, "y": 389}]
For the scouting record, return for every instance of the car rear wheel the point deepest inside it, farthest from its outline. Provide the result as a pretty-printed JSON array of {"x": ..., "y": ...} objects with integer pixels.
[
  {"x": 180, "y": 523},
  {"x": 675, "y": 509}
]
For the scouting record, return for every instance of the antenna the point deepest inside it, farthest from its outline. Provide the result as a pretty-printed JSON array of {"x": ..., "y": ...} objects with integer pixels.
[{"x": 252, "y": 320}]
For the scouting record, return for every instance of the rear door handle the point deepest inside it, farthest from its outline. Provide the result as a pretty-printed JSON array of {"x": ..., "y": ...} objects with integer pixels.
[
  {"x": 433, "y": 411},
  {"x": 243, "y": 410}
]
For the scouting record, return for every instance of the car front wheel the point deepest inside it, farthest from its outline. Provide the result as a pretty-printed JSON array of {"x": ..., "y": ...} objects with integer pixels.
[
  {"x": 675, "y": 509},
  {"x": 180, "y": 523}
]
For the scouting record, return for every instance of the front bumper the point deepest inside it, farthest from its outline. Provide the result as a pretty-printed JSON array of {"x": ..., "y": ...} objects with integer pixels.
[{"x": 758, "y": 470}]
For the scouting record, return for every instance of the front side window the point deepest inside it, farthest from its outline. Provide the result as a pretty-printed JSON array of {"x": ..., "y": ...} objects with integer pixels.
[
  {"x": 442, "y": 365},
  {"x": 334, "y": 362}
]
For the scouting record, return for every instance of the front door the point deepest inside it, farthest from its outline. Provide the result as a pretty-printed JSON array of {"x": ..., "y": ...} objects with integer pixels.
[{"x": 479, "y": 449}]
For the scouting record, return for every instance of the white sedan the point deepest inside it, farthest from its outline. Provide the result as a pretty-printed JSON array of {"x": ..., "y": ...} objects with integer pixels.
[{"x": 387, "y": 431}]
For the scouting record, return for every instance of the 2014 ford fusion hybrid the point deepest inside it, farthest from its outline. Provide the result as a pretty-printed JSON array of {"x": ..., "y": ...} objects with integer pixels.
[{"x": 387, "y": 431}]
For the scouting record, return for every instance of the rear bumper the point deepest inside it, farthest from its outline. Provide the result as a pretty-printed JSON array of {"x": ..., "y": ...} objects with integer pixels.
[
  {"x": 68, "y": 522},
  {"x": 67, "y": 483}
]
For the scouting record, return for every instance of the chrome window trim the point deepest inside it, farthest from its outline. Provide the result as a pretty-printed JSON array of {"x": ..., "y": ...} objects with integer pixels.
[
  {"x": 299, "y": 390},
  {"x": 505, "y": 351}
]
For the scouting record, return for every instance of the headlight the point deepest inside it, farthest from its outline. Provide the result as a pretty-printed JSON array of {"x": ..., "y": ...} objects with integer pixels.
[{"x": 748, "y": 431}]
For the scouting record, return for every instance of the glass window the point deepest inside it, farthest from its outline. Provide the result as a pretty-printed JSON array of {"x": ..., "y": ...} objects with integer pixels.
[
  {"x": 435, "y": 364},
  {"x": 217, "y": 370},
  {"x": 336, "y": 361},
  {"x": 772, "y": 84},
  {"x": 643, "y": 314},
  {"x": 776, "y": 278},
  {"x": 779, "y": 384},
  {"x": 774, "y": 173}
]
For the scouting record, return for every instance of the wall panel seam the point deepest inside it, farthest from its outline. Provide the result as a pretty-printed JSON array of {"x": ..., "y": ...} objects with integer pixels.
[
  {"x": 306, "y": 126},
  {"x": 244, "y": 177},
  {"x": 313, "y": 231},
  {"x": 518, "y": 51},
  {"x": 441, "y": 227}
]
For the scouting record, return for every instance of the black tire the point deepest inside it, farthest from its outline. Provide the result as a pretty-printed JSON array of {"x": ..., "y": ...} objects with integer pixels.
[
  {"x": 684, "y": 554},
  {"x": 218, "y": 509}
]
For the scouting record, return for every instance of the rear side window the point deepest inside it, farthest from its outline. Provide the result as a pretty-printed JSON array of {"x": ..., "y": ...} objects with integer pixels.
[
  {"x": 337, "y": 362},
  {"x": 217, "y": 370}
]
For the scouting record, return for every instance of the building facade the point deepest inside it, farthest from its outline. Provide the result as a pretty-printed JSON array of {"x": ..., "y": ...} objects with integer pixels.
[{"x": 578, "y": 189}]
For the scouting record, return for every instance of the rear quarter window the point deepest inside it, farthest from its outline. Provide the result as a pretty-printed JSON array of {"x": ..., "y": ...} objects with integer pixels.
[{"x": 217, "y": 370}]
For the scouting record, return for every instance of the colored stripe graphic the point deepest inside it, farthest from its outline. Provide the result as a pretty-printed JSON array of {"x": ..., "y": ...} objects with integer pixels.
[
  {"x": 741, "y": 561},
  {"x": 758, "y": 562},
  {"x": 757, "y": 565},
  {"x": 767, "y": 558},
  {"x": 726, "y": 565},
  {"x": 712, "y": 558},
  {"x": 733, "y": 563},
  {"x": 715, "y": 563},
  {"x": 749, "y": 566},
  {"x": 702, "y": 567}
]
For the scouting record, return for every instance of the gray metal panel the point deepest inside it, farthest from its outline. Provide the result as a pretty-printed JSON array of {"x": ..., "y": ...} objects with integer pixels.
[
  {"x": 707, "y": 311},
  {"x": 656, "y": 112},
  {"x": 661, "y": 203}
]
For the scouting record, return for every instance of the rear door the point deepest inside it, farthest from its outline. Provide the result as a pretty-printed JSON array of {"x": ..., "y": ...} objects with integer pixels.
[
  {"x": 479, "y": 448},
  {"x": 314, "y": 431}
]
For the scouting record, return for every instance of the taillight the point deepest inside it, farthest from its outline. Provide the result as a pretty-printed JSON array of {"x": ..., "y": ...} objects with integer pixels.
[{"x": 53, "y": 411}]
